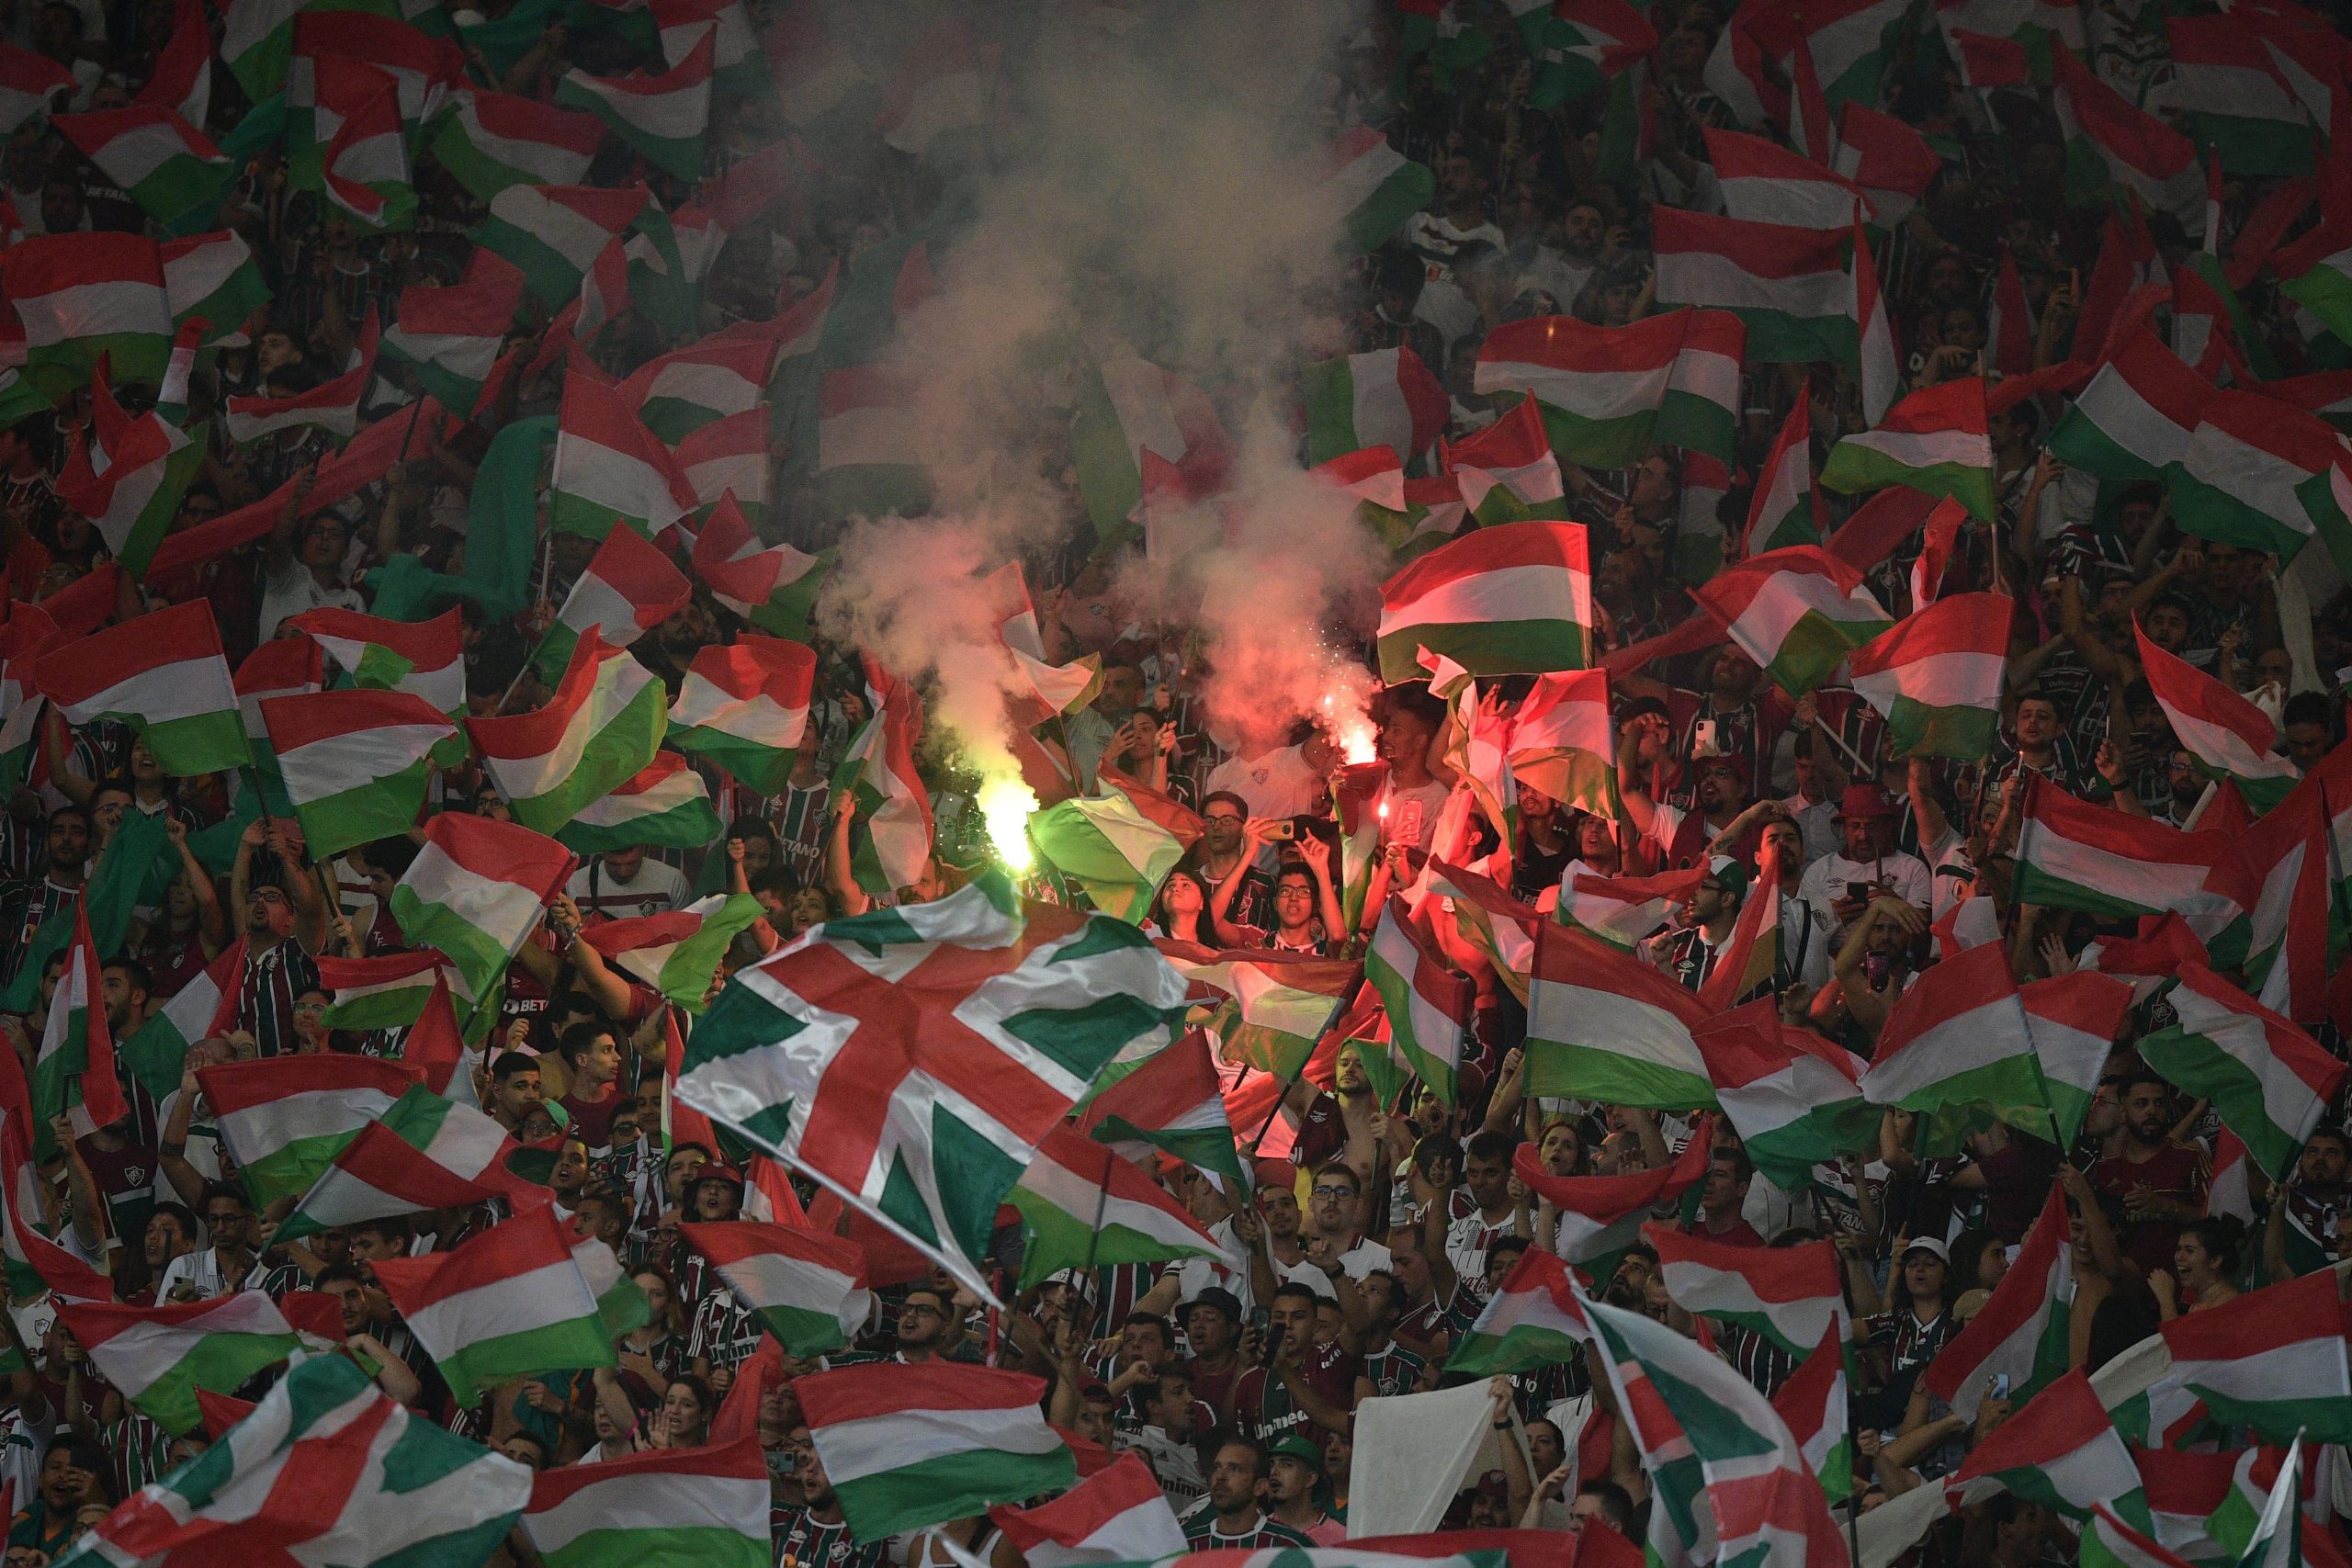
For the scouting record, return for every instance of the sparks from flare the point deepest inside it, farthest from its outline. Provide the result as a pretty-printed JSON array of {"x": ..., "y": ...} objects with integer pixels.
[
  {"x": 1345, "y": 720},
  {"x": 1005, "y": 804}
]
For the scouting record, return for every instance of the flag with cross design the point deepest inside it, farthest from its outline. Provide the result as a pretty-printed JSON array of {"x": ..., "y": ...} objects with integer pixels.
[{"x": 913, "y": 1059}]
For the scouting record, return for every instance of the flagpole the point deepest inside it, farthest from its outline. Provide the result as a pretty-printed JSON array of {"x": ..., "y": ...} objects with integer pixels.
[{"x": 1291, "y": 1081}]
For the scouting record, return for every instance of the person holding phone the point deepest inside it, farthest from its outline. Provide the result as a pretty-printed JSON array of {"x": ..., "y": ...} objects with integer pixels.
[{"x": 1868, "y": 865}]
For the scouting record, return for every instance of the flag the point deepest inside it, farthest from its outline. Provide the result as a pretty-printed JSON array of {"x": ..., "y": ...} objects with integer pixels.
[
  {"x": 507, "y": 1302},
  {"x": 1491, "y": 921},
  {"x": 366, "y": 170},
  {"x": 2135, "y": 419},
  {"x": 203, "y": 1007},
  {"x": 1119, "y": 846},
  {"x": 2074, "y": 855},
  {"x": 599, "y": 730},
  {"x": 1797, "y": 612},
  {"x": 85, "y": 297},
  {"x": 663, "y": 116},
  {"x": 609, "y": 467},
  {"x": 163, "y": 163},
  {"x": 30, "y": 84},
  {"x": 1958, "y": 1049},
  {"x": 907, "y": 1446},
  {"x": 1763, "y": 181},
  {"x": 870, "y": 444},
  {"x": 1117, "y": 1515},
  {"x": 1087, "y": 1208},
  {"x": 683, "y": 391},
  {"x": 2109, "y": 143},
  {"x": 388, "y": 992},
  {"x": 554, "y": 233},
  {"x": 2271, "y": 1082},
  {"x": 131, "y": 493},
  {"x": 2059, "y": 1450},
  {"x": 1795, "y": 1097},
  {"x": 680, "y": 952},
  {"x": 2009, "y": 335},
  {"x": 490, "y": 141},
  {"x": 1789, "y": 286},
  {"x": 2265, "y": 478},
  {"x": 1597, "y": 1017},
  {"x": 1887, "y": 158},
  {"x": 1505, "y": 472},
  {"x": 728, "y": 459},
  {"x": 423, "y": 659},
  {"x": 911, "y": 1059},
  {"x": 1786, "y": 507},
  {"x": 1513, "y": 599},
  {"x": 164, "y": 675},
  {"x": 1428, "y": 1005},
  {"x": 2272, "y": 1360},
  {"x": 891, "y": 845},
  {"x": 1561, "y": 741},
  {"x": 333, "y": 405},
  {"x": 772, "y": 586},
  {"x": 1936, "y": 677},
  {"x": 1934, "y": 441},
  {"x": 355, "y": 762},
  {"x": 1533, "y": 1319},
  {"x": 1368, "y": 188},
  {"x": 1170, "y": 1101},
  {"x": 1750, "y": 961},
  {"x": 1383, "y": 399},
  {"x": 1623, "y": 911},
  {"x": 665, "y": 804},
  {"x": 744, "y": 706},
  {"x": 451, "y": 334},
  {"x": 1607, "y": 392},
  {"x": 1789, "y": 1295},
  {"x": 1279, "y": 1004},
  {"x": 1138, "y": 431},
  {"x": 807, "y": 1287},
  {"x": 2020, "y": 1332},
  {"x": 158, "y": 1357},
  {"x": 629, "y": 589},
  {"x": 2228, "y": 736},
  {"x": 2074, "y": 1019},
  {"x": 284, "y": 1119},
  {"x": 73, "y": 1073},
  {"x": 476, "y": 890},
  {"x": 661, "y": 1507},
  {"x": 428, "y": 1151},
  {"x": 2232, "y": 98},
  {"x": 939, "y": 89}
]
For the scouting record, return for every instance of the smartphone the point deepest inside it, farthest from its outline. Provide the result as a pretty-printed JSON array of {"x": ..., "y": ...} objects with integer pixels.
[
  {"x": 1859, "y": 892},
  {"x": 1274, "y": 1344},
  {"x": 1997, "y": 1386},
  {"x": 1281, "y": 830},
  {"x": 1409, "y": 824},
  {"x": 1875, "y": 968},
  {"x": 1704, "y": 740}
]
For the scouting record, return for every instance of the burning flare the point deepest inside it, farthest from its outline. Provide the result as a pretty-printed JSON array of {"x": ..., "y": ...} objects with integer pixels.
[{"x": 1005, "y": 804}]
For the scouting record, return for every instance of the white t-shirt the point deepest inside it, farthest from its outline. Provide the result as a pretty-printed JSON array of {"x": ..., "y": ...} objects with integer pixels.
[
  {"x": 294, "y": 590},
  {"x": 1436, "y": 240},
  {"x": 1278, "y": 783},
  {"x": 1363, "y": 1258},
  {"x": 656, "y": 889},
  {"x": 1825, "y": 880}
]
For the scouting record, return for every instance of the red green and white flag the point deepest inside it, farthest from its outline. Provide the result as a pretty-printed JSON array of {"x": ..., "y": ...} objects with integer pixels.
[
  {"x": 1599, "y": 1019},
  {"x": 736, "y": 62},
  {"x": 555, "y": 232},
  {"x": 1813, "y": 1403},
  {"x": 164, "y": 675},
  {"x": 476, "y": 890},
  {"x": 702, "y": 1505},
  {"x": 1383, "y": 399},
  {"x": 203, "y": 1007},
  {"x": 1116, "y": 1515},
  {"x": 1562, "y": 742},
  {"x": 1491, "y": 921},
  {"x": 365, "y": 173},
  {"x": 2272, "y": 1360},
  {"x": 1533, "y": 1319},
  {"x": 2074, "y": 855},
  {"x": 609, "y": 467},
  {"x": 73, "y": 1073},
  {"x": 894, "y": 1058},
  {"x": 1623, "y": 911},
  {"x": 356, "y": 764},
  {"x": 805, "y": 1287},
  {"x": 451, "y": 334},
  {"x": 907, "y": 1446},
  {"x": 1795, "y": 1097},
  {"x": 677, "y": 952},
  {"x": 1937, "y": 676},
  {"x": 681, "y": 391},
  {"x": 1763, "y": 181},
  {"x": 213, "y": 278},
  {"x": 284, "y": 1119},
  {"x": 772, "y": 586},
  {"x": 158, "y": 1357},
  {"x": 1958, "y": 1048},
  {"x": 2110, "y": 143},
  {"x": 630, "y": 587},
  {"x": 1428, "y": 1005},
  {"x": 1087, "y": 1208},
  {"x": 1887, "y": 158},
  {"x": 2020, "y": 1332},
  {"x": 1117, "y": 846},
  {"x": 664, "y": 805},
  {"x": 2228, "y": 736},
  {"x": 1369, "y": 188},
  {"x": 426, "y": 1152},
  {"x": 385, "y": 993},
  {"x": 81, "y": 297},
  {"x": 1598, "y": 387},
  {"x": 663, "y": 116},
  {"x": 30, "y": 84},
  {"x": 2271, "y": 1082},
  {"x": 2074, "y": 1019},
  {"x": 490, "y": 141},
  {"x": 2274, "y": 1536},
  {"x": 1139, "y": 431},
  {"x": 165, "y": 164},
  {"x": 2265, "y": 476},
  {"x": 744, "y": 706},
  {"x": 1753, "y": 1498},
  {"x": 132, "y": 491},
  {"x": 1936, "y": 441},
  {"x": 1277, "y": 1004},
  {"x": 1789, "y": 286},
  {"x": 1514, "y": 599},
  {"x": 509, "y": 1302},
  {"x": 1171, "y": 1103},
  {"x": 870, "y": 442},
  {"x": 2136, "y": 417},
  {"x": 891, "y": 842},
  {"x": 332, "y": 405},
  {"x": 1786, "y": 507},
  {"x": 423, "y": 659},
  {"x": 1789, "y": 1295},
  {"x": 2059, "y": 1450},
  {"x": 599, "y": 730},
  {"x": 728, "y": 457},
  {"x": 1799, "y": 613}
]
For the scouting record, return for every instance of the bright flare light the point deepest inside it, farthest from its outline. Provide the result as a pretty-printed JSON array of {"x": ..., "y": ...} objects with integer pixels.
[
  {"x": 1344, "y": 719},
  {"x": 1005, "y": 804}
]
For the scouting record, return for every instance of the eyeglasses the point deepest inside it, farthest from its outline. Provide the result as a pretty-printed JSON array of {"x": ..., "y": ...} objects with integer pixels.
[
  {"x": 1334, "y": 1192},
  {"x": 1225, "y": 817}
]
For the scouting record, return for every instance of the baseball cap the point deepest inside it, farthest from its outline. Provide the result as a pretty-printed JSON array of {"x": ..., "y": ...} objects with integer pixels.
[
  {"x": 1294, "y": 1447},
  {"x": 1492, "y": 1484},
  {"x": 1220, "y": 1298},
  {"x": 717, "y": 1171},
  {"x": 1731, "y": 873},
  {"x": 1867, "y": 800},
  {"x": 1928, "y": 1244}
]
